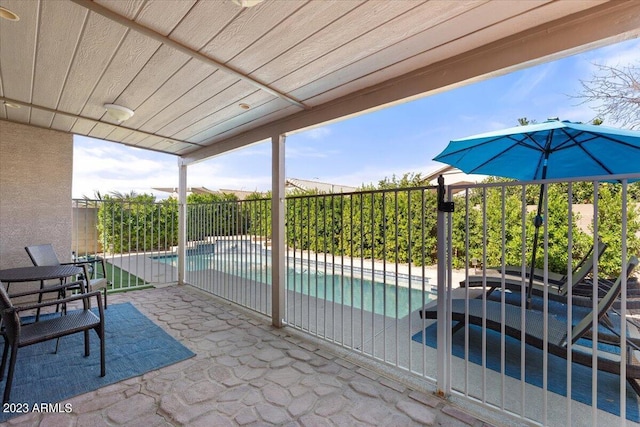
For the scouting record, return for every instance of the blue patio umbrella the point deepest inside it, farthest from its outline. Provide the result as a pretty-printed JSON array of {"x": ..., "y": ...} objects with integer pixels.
[{"x": 553, "y": 149}]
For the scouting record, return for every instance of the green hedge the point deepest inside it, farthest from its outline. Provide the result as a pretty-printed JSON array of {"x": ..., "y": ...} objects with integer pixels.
[
  {"x": 396, "y": 221},
  {"x": 393, "y": 221},
  {"x": 137, "y": 223}
]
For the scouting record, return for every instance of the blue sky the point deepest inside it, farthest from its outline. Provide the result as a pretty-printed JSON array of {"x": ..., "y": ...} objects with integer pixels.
[{"x": 364, "y": 149}]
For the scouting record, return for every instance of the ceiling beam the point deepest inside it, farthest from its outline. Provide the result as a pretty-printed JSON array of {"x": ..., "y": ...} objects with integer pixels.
[
  {"x": 607, "y": 23},
  {"x": 101, "y": 10}
]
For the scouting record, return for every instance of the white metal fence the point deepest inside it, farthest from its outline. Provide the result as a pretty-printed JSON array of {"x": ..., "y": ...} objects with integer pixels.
[
  {"x": 361, "y": 274},
  {"x": 518, "y": 357},
  {"x": 136, "y": 239},
  {"x": 228, "y": 251},
  {"x": 357, "y": 266}
]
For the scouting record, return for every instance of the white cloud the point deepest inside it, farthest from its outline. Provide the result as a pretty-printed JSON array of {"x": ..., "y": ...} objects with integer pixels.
[
  {"x": 94, "y": 161},
  {"x": 497, "y": 125},
  {"x": 262, "y": 150},
  {"x": 577, "y": 113},
  {"x": 305, "y": 151},
  {"x": 528, "y": 83},
  {"x": 617, "y": 55},
  {"x": 107, "y": 167},
  {"x": 372, "y": 175},
  {"x": 317, "y": 133},
  {"x": 214, "y": 174}
]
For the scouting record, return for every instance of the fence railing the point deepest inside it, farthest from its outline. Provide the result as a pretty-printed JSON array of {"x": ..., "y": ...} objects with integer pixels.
[
  {"x": 361, "y": 274},
  {"x": 357, "y": 268},
  {"x": 228, "y": 251},
  {"x": 527, "y": 359},
  {"x": 136, "y": 239}
]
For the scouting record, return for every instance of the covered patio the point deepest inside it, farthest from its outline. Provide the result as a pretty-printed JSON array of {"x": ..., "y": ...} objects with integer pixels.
[
  {"x": 203, "y": 78},
  {"x": 247, "y": 372}
]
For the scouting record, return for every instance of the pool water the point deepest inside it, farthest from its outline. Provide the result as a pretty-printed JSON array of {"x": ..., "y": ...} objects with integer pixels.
[
  {"x": 357, "y": 292},
  {"x": 353, "y": 291}
]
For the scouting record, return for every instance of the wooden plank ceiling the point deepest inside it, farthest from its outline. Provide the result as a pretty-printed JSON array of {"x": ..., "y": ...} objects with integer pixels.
[{"x": 198, "y": 73}]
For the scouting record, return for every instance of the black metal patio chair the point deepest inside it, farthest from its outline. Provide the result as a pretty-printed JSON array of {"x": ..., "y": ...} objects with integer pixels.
[
  {"x": 46, "y": 255},
  {"x": 17, "y": 335}
]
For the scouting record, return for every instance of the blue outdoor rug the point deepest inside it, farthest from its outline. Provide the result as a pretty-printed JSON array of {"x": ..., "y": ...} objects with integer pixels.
[
  {"x": 134, "y": 345},
  {"x": 608, "y": 384}
]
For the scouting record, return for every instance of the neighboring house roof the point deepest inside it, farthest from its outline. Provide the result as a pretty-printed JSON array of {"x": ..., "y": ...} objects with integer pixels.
[
  {"x": 196, "y": 190},
  {"x": 321, "y": 187},
  {"x": 452, "y": 175},
  {"x": 240, "y": 194}
]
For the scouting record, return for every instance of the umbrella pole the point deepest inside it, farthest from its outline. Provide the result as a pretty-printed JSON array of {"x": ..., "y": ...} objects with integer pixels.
[{"x": 538, "y": 221}]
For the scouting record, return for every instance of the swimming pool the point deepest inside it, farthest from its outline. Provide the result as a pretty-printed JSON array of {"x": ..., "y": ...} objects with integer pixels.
[
  {"x": 353, "y": 289},
  {"x": 359, "y": 292}
]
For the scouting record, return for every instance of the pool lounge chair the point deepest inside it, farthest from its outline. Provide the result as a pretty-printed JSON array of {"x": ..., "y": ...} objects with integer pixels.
[
  {"x": 538, "y": 273},
  {"x": 557, "y": 339},
  {"x": 557, "y": 283}
]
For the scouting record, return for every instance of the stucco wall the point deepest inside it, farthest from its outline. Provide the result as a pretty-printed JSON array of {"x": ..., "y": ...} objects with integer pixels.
[{"x": 35, "y": 191}]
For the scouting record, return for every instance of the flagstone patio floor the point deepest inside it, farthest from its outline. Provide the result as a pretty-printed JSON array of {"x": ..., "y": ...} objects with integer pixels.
[{"x": 248, "y": 373}]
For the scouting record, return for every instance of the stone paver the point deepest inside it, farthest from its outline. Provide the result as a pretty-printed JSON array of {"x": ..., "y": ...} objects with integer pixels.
[{"x": 247, "y": 373}]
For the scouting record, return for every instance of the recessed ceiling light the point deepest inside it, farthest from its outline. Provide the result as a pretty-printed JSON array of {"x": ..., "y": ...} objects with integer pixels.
[
  {"x": 10, "y": 104},
  {"x": 118, "y": 112},
  {"x": 7, "y": 14},
  {"x": 247, "y": 3},
  {"x": 244, "y": 106}
]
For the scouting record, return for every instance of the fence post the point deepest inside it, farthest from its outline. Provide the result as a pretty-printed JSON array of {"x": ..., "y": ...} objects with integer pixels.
[
  {"x": 182, "y": 221},
  {"x": 443, "y": 326},
  {"x": 278, "y": 256}
]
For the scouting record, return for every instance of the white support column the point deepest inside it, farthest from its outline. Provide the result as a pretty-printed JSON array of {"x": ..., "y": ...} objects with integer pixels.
[
  {"x": 278, "y": 255},
  {"x": 182, "y": 220},
  {"x": 443, "y": 325}
]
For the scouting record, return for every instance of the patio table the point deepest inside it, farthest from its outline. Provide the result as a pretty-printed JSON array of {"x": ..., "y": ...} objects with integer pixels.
[{"x": 40, "y": 274}]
